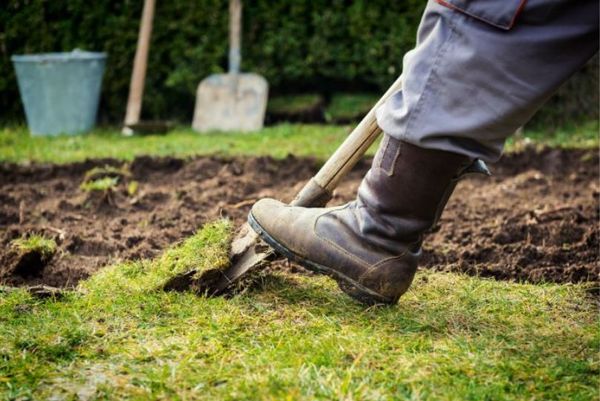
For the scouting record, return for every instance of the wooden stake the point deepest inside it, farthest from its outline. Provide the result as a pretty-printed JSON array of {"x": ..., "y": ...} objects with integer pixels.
[{"x": 140, "y": 64}]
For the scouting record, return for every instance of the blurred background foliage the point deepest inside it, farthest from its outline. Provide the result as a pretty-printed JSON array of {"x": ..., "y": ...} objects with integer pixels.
[{"x": 323, "y": 47}]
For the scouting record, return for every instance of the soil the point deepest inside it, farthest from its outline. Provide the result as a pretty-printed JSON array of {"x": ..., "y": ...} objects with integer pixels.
[{"x": 536, "y": 219}]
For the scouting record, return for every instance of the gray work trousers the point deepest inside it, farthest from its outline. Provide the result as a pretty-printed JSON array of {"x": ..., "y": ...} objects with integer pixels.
[{"x": 481, "y": 69}]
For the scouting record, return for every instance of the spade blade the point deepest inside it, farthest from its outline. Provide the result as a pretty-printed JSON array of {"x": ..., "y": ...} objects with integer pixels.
[{"x": 248, "y": 255}]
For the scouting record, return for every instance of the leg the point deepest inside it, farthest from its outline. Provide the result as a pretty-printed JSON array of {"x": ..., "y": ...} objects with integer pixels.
[{"x": 468, "y": 85}]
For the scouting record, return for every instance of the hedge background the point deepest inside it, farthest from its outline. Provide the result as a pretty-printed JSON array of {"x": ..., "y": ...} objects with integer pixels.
[{"x": 298, "y": 45}]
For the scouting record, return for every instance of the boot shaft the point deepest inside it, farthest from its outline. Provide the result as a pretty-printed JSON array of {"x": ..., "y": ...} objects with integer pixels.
[{"x": 405, "y": 191}]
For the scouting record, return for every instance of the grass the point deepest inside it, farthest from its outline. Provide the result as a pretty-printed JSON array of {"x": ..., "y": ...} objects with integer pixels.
[
  {"x": 452, "y": 337},
  {"x": 205, "y": 250},
  {"x": 100, "y": 184},
  {"x": 319, "y": 141},
  {"x": 582, "y": 135},
  {"x": 350, "y": 106},
  {"x": 106, "y": 178},
  {"x": 16, "y": 145},
  {"x": 294, "y": 104},
  {"x": 106, "y": 171},
  {"x": 45, "y": 247}
]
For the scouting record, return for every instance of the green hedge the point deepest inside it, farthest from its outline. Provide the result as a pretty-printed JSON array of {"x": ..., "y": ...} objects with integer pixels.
[
  {"x": 295, "y": 44},
  {"x": 299, "y": 45}
]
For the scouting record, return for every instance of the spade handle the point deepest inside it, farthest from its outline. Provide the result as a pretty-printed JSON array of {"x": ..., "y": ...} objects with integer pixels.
[
  {"x": 140, "y": 64},
  {"x": 235, "y": 36},
  {"x": 318, "y": 191}
]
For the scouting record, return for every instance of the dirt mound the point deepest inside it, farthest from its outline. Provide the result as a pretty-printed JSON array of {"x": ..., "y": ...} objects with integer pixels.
[{"x": 536, "y": 219}]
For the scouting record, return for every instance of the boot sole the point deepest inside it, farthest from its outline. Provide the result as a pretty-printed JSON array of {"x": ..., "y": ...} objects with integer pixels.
[{"x": 349, "y": 286}]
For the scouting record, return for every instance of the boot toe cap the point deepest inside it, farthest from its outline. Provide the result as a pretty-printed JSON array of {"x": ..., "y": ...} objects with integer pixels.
[
  {"x": 274, "y": 217},
  {"x": 289, "y": 225},
  {"x": 264, "y": 210}
]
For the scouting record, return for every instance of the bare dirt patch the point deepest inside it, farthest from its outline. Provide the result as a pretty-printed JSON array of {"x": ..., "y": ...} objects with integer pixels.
[{"x": 536, "y": 219}]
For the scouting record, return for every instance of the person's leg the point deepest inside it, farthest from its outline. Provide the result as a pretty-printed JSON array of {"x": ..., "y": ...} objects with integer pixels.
[
  {"x": 370, "y": 246},
  {"x": 470, "y": 84},
  {"x": 467, "y": 86}
]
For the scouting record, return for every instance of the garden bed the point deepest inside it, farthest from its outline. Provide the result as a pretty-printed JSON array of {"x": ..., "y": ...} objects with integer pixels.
[{"x": 535, "y": 220}]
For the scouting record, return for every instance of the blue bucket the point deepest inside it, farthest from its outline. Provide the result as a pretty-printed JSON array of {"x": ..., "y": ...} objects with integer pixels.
[{"x": 60, "y": 91}]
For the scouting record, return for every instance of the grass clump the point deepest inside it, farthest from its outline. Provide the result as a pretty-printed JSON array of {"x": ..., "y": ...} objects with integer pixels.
[
  {"x": 100, "y": 185},
  {"x": 104, "y": 179},
  {"x": 132, "y": 188},
  {"x": 206, "y": 249},
  {"x": 97, "y": 173},
  {"x": 35, "y": 243}
]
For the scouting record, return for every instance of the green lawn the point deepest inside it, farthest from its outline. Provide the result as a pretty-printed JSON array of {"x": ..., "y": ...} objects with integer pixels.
[
  {"x": 294, "y": 104},
  {"x": 16, "y": 145},
  {"x": 451, "y": 337},
  {"x": 301, "y": 140},
  {"x": 350, "y": 106}
]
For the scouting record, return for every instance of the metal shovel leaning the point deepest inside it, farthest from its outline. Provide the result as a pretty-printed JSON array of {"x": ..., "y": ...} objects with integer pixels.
[{"x": 234, "y": 101}]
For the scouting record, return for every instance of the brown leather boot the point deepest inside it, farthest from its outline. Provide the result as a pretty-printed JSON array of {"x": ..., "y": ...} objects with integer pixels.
[{"x": 370, "y": 246}]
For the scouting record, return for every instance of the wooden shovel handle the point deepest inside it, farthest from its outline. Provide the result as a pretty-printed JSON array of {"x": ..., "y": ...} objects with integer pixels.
[
  {"x": 235, "y": 36},
  {"x": 140, "y": 62},
  {"x": 320, "y": 188}
]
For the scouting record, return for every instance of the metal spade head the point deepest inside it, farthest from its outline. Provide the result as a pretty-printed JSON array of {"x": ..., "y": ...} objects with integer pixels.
[
  {"x": 248, "y": 255},
  {"x": 231, "y": 102}
]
